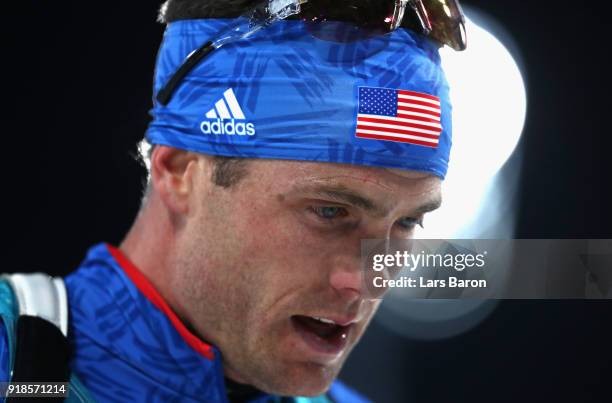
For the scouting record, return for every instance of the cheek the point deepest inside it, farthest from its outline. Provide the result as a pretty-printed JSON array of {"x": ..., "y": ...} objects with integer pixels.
[
  {"x": 281, "y": 265},
  {"x": 280, "y": 257},
  {"x": 276, "y": 237}
]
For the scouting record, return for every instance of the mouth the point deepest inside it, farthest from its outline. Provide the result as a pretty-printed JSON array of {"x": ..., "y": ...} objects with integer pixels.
[{"x": 323, "y": 335}]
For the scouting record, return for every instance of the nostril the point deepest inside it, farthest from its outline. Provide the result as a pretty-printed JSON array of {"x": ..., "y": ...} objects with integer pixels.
[{"x": 348, "y": 283}]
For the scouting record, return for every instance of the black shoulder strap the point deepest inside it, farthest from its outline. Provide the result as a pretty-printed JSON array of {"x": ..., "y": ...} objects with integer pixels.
[{"x": 42, "y": 351}]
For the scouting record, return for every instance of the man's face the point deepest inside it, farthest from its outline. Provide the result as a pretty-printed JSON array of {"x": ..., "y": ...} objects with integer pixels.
[{"x": 260, "y": 263}]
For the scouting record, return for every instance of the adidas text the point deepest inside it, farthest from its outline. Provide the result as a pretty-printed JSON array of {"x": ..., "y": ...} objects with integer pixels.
[{"x": 227, "y": 127}]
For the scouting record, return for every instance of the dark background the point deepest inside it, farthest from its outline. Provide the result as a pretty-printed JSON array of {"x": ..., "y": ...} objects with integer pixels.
[{"x": 75, "y": 94}]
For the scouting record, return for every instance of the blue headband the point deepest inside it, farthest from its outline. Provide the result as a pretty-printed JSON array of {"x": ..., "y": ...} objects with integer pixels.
[{"x": 283, "y": 94}]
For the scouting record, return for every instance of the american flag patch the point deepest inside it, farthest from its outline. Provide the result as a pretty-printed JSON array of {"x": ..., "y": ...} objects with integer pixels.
[{"x": 398, "y": 115}]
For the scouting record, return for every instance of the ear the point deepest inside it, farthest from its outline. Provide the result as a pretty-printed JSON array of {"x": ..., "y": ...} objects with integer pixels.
[{"x": 172, "y": 176}]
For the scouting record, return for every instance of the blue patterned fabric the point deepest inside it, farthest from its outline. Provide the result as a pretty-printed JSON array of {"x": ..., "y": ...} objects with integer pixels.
[
  {"x": 127, "y": 350},
  {"x": 297, "y": 96},
  {"x": 9, "y": 313}
]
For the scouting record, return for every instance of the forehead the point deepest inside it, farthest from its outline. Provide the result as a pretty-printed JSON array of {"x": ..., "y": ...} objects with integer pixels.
[{"x": 390, "y": 185}]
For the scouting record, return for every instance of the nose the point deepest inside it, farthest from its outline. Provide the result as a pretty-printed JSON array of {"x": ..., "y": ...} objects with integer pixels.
[
  {"x": 349, "y": 274},
  {"x": 346, "y": 277}
]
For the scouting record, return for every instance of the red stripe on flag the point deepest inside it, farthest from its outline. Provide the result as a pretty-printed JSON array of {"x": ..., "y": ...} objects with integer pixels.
[
  {"x": 397, "y": 139},
  {"x": 393, "y": 122},
  {"x": 419, "y": 94},
  {"x": 407, "y": 109},
  {"x": 398, "y": 131},
  {"x": 422, "y": 103},
  {"x": 420, "y": 118}
]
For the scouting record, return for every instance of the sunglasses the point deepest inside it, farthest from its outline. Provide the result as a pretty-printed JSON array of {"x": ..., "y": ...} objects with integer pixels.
[{"x": 339, "y": 21}]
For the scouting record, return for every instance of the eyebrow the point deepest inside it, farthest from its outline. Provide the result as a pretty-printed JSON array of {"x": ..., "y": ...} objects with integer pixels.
[
  {"x": 341, "y": 193},
  {"x": 429, "y": 206}
]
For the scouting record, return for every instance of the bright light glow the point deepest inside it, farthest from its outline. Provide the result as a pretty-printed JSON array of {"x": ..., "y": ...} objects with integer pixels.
[
  {"x": 489, "y": 108},
  {"x": 489, "y": 98}
]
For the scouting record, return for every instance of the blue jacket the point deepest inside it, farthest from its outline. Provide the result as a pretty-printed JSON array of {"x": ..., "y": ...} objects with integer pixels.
[{"x": 130, "y": 347}]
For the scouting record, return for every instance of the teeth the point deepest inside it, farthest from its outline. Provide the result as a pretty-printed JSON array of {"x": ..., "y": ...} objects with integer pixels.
[{"x": 329, "y": 322}]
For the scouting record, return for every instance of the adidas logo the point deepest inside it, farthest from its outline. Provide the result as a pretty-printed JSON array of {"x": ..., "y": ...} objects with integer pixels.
[{"x": 225, "y": 117}]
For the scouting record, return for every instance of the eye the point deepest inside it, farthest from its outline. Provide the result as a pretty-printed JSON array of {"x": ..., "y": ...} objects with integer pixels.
[
  {"x": 409, "y": 223},
  {"x": 329, "y": 212}
]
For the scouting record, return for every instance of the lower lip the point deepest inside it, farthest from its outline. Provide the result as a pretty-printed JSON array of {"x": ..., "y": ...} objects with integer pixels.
[{"x": 329, "y": 347}]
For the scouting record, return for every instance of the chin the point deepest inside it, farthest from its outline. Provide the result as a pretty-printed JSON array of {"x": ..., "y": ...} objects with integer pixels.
[{"x": 307, "y": 380}]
